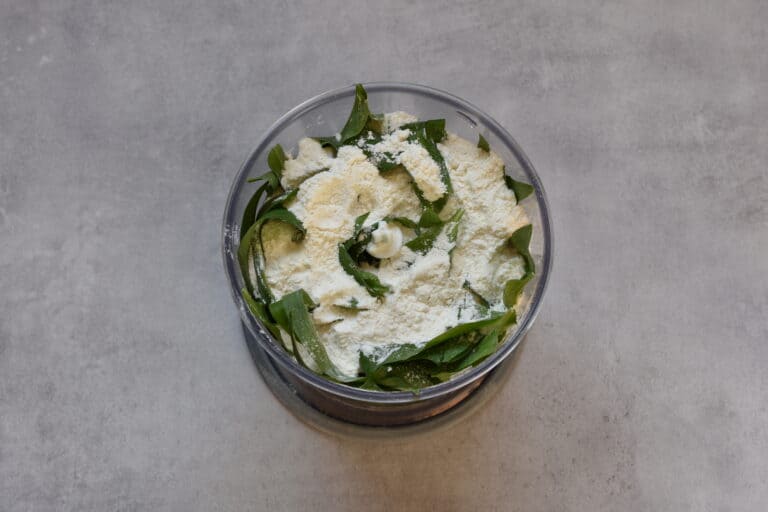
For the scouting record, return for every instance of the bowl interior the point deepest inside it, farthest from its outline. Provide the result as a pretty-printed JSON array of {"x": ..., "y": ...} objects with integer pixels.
[{"x": 325, "y": 115}]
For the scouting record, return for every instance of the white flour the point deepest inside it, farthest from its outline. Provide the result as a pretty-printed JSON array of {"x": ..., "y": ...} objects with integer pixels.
[{"x": 426, "y": 296}]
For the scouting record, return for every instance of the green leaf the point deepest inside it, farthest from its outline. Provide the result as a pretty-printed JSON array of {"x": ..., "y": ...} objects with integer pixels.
[
  {"x": 243, "y": 251},
  {"x": 429, "y": 218},
  {"x": 514, "y": 287},
  {"x": 277, "y": 201},
  {"x": 368, "y": 368},
  {"x": 520, "y": 189},
  {"x": 435, "y": 129},
  {"x": 410, "y": 376},
  {"x": 292, "y": 313},
  {"x": 276, "y": 160},
  {"x": 375, "y": 122},
  {"x": 485, "y": 348},
  {"x": 366, "y": 279},
  {"x": 451, "y": 350},
  {"x": 410, "y": 351},
  {"x": 428, "y": 134},
  {"x": 360, "y": 118},
  {"x": 430, "y": 226},
  {"x": 261, "y": 312},
  {"x": 249, "y": 215},
  {"x": 384, "y": 161},
  {"x": 483, "y": 144},
  {"x": 352, "y": 305},
  {"x": 520, "y": 240},
  {"x": 250, "y": 245},
  {"x": 359, "y": 115},
  {"x": 359, "y": 221},
  {"x": 425, "y": 240},
  {"x": 479, "y": 298},
  {"x": 287, "y": 216},
  {"x": 452, "y": 225},
  {"x": 403, "y": 221}
]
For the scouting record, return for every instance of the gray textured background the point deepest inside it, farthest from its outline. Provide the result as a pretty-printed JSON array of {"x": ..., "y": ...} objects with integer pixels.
[{"x": 124, "y": 380}]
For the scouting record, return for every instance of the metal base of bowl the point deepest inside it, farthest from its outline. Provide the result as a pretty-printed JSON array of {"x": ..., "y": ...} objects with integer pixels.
[{"x": 338, "y": 416}]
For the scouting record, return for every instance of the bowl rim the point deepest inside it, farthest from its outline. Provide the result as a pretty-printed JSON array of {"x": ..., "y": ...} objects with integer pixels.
[{"x": 230, "y": 242}]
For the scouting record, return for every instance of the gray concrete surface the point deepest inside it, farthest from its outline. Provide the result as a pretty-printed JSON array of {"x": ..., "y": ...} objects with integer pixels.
[{"x": 124, "y": 381}]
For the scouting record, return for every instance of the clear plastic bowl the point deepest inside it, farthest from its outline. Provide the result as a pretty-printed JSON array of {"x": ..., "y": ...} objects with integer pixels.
[{"x": 326, "y": 114}]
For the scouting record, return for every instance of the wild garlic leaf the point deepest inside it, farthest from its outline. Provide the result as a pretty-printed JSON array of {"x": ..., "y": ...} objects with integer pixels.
[
  {"x": 451, "y": 350},
  {"x": 430, "y": 226},
  {"x": 520, "y": 240},
  {"x": 249, "y": 215},
  {"x": 410, "y": 376},
  {"x": 286, "y": 216},
  {"x": 277, "y": 201},
  {"x": 483, "y": 144},
  {"x": 365, "y": 279},
  {"x": 403, "y": 221},
  {"x": 292, "y": 313},
  {"x": 368, "y": 368},
  {"x": 261, "y": 312},
  {"x": 359, "y": 222},
  {"x": 410, "y": 351},
  {"x": 435, "y": 129},
  {"x": 485, "y": 348},
  {"x": 361, "y": 237},
  {"x": 520, "y": 189},
  {"x": 360, "y": 118},
  {"x": 276, "y": 160},
  {"x": 424, "y": 240},
  {"x": 250, "y": 245},
  {"x": 476, "y": 295},
  {"x": 375, "y": 122},
  {"x": 514, "y": 287},
  {"x": 352, "y": 305},
  {"x": 428, "y": 134},
  {"x": 452, "y": 225}
]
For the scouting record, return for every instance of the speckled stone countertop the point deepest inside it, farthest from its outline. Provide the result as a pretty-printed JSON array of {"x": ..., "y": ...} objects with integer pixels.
[{"x": 125, "y": 384}]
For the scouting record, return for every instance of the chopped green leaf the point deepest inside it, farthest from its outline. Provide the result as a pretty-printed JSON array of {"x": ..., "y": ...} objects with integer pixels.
[
  {"x": 276, "y": 160},
  {"x": 435, "y": 129},
  {"x": 520, "y": 240},
  {"x": 451, "y": 350},
  {"x": 410, "y": 351},
  {"x": 287, "y": 216},
  {"x": 359, "y": 221},
  {"x": 277, "y": 201},
  {"x": 249, "y": 215},
  {"x": 403, "y": 221},
  {"x": 410, "y": 376},
  {"x": 476, "y": 295},
  {"x": 360, "y": 118},
  {"x": 366, "y": 279},
  {"x": 260, "y": 311},
  {"x": 452, "y": 225},
  {"x": 250, "y": 245},
  {"x": 483, "y": 144},
  {"x": 430, "y": 226},
  {"x": 486, "y": 347},
  {"x": 292, "y": 313},
  {"x": 514, "y": 287},
  {"x": 428, "y": 134},
  {"x": 520, "y": 189},
  {"x": 424, "y": 240}
]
